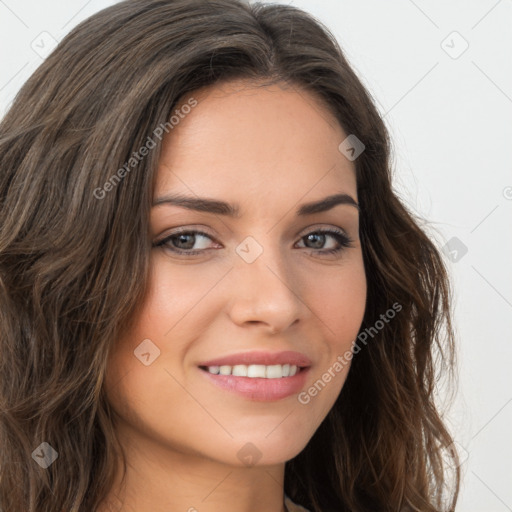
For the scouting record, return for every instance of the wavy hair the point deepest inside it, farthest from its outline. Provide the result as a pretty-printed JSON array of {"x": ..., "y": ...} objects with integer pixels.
[{"x": 74, "y": 267}]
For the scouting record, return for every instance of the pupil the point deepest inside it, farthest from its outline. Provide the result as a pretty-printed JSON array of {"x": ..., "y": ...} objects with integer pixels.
[
  {"x": 320, "y": 238},
  {"x": 181, "y": 239}
]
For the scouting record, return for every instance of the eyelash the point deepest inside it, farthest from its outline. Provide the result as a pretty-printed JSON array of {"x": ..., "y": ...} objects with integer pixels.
[{"x": 343, "y": 240}]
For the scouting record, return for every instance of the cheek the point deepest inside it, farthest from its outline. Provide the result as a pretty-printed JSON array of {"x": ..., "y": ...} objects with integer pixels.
[
  {"x": 178, "y": 294},
  {"x": 339, "y": 301},
  {"x": 338, "y": 298},
  {"x": 171, "y": 316},
  {"x": 174, "y": 297}
]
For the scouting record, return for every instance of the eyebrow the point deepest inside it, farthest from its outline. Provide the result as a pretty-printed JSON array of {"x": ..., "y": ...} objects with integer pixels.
[{"x": 215, "y": 206}]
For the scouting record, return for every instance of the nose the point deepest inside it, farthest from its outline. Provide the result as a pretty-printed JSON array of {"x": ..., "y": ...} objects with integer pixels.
[{"x": 265, "y": 292}]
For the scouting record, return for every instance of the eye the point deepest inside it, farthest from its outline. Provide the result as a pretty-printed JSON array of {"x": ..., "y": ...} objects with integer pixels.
[
  {"x": 182, "y": 242},
  {"x": 318, "y": 238},
  {"x": 193, "y": 242}
]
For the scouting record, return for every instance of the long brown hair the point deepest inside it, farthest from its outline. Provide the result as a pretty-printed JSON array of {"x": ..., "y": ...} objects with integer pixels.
[{"x": 74, "y": 262}]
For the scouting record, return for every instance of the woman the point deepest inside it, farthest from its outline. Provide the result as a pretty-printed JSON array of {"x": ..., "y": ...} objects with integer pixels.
[{"x": 211, "y": 298}]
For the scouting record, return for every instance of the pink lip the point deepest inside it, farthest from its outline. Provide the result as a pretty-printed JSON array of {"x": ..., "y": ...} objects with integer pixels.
[
  {"x": 257, "y": 389},
  {"x": 266, "y": 358}
]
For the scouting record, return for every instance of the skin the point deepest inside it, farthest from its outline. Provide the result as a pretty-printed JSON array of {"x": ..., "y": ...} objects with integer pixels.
[{"x": 269, "y": 149}]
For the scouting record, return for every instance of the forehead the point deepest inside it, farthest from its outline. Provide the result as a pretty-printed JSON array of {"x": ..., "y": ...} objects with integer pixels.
[{"x": 240, "y": 138}]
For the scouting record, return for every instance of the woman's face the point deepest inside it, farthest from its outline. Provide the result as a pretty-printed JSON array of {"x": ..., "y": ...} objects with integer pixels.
[{"x": 259, "y": 287}]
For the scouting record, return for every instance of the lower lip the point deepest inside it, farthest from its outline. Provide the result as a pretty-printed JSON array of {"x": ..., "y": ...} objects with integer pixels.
[{"x": 258, "y": 389}]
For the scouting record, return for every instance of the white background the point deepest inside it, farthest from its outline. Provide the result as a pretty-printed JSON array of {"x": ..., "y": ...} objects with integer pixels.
[{"x": 450, "y": 116}]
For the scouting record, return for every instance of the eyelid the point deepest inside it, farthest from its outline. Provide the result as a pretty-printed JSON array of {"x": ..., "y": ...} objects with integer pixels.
[
  {"x": 321, "y": 227},
  {"x": 186, "y": 229}
]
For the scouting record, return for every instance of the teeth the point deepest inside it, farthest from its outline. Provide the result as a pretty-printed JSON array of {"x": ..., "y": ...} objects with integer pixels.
[
  {"x": 239, "y": 370},
  {"x": 225, "y": 370},
  {"x": 274, "y": 371}
]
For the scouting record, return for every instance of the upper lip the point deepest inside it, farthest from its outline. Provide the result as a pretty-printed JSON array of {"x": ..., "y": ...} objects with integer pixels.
[{"x": 265, "y": 358}]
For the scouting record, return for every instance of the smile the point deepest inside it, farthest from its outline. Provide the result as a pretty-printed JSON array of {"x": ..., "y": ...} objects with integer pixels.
[{"x": 275, "y": 371}]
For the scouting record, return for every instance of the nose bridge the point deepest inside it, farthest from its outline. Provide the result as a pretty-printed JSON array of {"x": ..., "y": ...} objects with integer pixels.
[{"x": 264, "y": 284}]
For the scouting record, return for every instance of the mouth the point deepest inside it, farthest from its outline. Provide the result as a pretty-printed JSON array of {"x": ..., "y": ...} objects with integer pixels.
[{"x": 262, "y": 377}]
